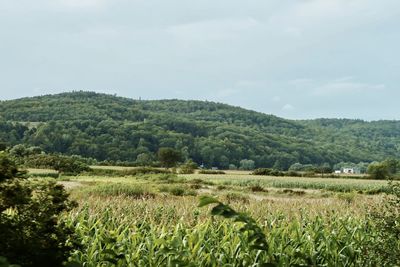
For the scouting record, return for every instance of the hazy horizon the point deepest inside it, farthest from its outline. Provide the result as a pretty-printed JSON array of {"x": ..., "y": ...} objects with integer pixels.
[{"x": 298, "y": 60}]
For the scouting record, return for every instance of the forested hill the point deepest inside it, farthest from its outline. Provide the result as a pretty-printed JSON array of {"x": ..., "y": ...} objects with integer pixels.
[{"x": 107, "y": 127}]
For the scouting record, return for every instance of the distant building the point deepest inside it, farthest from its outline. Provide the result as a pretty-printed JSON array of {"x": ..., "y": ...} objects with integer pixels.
[
  {"x": 350, "y": 171},
  {"x": 338, "y": 172}
]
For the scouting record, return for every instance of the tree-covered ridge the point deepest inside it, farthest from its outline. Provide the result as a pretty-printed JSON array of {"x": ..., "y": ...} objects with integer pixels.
[{"x": 113, "y": 128}]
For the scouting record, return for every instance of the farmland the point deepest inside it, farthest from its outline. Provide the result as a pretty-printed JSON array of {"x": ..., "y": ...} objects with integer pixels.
[{"x": 154, "y": 220}]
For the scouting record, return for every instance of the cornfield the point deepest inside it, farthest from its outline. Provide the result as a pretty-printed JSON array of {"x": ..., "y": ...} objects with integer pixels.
[{"x": 126, "y": 231}]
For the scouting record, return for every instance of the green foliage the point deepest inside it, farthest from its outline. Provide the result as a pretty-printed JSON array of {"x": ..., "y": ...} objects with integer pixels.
[
  {"x": 119, "y": 189},
  {"x": 118, "y": 130},
  {"x": 168, "y": 157},
  {"x": 247, "y": 164},
  {"x": 188, "y": 167},
  {"x": 267, "y": 172},
  {"x": 272, "y": 172},
  {"x": 30, "y": 231},
  {"x": 386, "y": 249},
  {"x": 44, "y": 175},
  {"x": 62, "y": 164},
  {"x": 8, "y": 168},
  {"x": 211, "y": 172},
  {"x": 125, "y": 172},
  {"x": 378, "y": 171},
  {"x": 256, "y": 236},
  {"x": 297, "y": 167}
]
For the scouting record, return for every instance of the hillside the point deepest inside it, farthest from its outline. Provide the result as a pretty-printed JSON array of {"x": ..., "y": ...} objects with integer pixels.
[{"x": 107, "y": 127}]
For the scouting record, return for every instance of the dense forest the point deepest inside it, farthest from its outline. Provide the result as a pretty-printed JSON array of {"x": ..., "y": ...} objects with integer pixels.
[{"x": 116, "y": 129}]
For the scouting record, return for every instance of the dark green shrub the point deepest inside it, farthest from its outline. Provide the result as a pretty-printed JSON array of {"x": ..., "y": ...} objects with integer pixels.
[
  {"x": 221, "y": 187},
  {"x": 30, "y": 231},
  {"x": 62, "y": 164},
  {"x": 211, "y": 172},
  {"x": 145, "y": 170},
  {"x": 8, "y": 168},
  {"x": 196, "y": 186},
  {"x": 169, "y": 157},
  {"x": 385, "y": 251},
  {"x": 44, "y": 175},
  {"x": 268, "y": 172},
  {"x": 257, "y": 188},
  {"x": 177, "y": 191},
  {"x": 293, "y": 174},
  {"x": 128, "y": 172},
  {"x": 188, "y": 168},
  {"x": 378, "y": 171}
]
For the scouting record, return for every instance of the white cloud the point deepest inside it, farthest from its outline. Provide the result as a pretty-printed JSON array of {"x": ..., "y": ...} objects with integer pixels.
[
  {"x": 345, "y": 87},
  {"x": 276, "y": 99},
  {"x": 82, "y": 3},
  {"x": 300, "y": 81},
  {"x": 211, "y": 30},
  {"x": 227, "y": 92},
  {"x": 288, "y": 107}
]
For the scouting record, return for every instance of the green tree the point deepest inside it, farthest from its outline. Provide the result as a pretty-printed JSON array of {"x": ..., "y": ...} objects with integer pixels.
[
  {"x": 168, "y": 157},
  {"x": 378, "y": 171},
  {"x": 247, "y": 164},
  {"x": 324, "y": 169},
  {"x": 144, "y": 159},
  {"x": 392, "y": 165},
  {"x": 8, "y": 168},
  {"x": 30, "y": 231}
]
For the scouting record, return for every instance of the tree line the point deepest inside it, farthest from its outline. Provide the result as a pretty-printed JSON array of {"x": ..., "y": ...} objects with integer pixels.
[{"x": 121, "y": 131}]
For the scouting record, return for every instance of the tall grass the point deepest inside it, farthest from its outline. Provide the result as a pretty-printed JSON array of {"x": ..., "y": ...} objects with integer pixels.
[
  {"x": 123, "y": 222},
  {"x": 150, "y": 239},
  {"x": 330, "y": 184},
  {"x": 120, "y": 189}
]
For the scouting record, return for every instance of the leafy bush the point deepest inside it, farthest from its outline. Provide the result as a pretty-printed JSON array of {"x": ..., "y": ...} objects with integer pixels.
[
  {"x": 378, "y": 171},
  {"x": 267, "y": 172},
  {"x": 273, "y": 172},
  {"x": 188, "y": 168},
  {"x": 62, "y": 164},
  {"x": 44, "y": 175},
  {"x": 211, "y": 172},
  {"x": 30, "y": 231},
  {"x": 257, "y": 188},
  {"x": 8, "y": 168},
  {"x": 385, "y": 251},
  {"x": 120, "y": 189},
  {"x": 127, "y": 172}
]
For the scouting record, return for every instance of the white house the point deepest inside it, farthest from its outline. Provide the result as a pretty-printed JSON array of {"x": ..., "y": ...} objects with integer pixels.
[{"x": 351, "y": 170}]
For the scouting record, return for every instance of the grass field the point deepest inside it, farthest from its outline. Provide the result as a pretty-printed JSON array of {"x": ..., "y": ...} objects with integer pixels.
[{"x": 154, "y": 220}]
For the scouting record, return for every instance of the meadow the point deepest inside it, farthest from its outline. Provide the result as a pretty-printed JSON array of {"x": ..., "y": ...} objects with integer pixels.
[{"x": 155, "y": 220}]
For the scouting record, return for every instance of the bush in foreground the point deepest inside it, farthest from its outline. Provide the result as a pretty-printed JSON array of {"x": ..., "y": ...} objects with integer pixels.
[{"x": 30, "y": 231}]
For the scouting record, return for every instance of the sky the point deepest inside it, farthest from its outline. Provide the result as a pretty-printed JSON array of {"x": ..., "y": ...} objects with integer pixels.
[{"x": 297, "y": 59}]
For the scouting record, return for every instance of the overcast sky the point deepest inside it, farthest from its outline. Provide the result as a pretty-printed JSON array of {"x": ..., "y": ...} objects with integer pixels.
[{"x": 292, "y": 58}]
